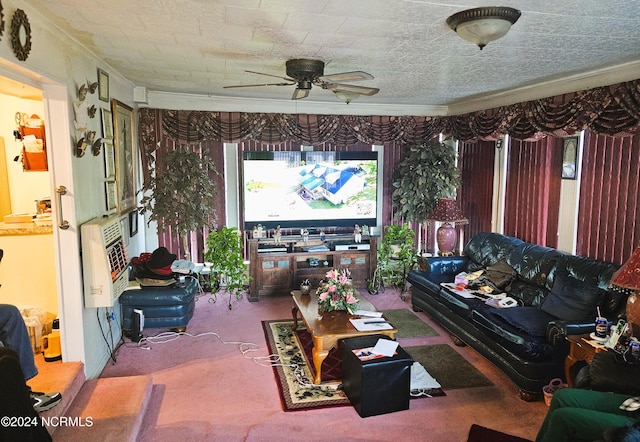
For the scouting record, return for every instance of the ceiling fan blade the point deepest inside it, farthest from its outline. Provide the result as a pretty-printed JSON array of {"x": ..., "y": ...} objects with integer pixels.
[
  {"x": 300, "y": 93},
  {"x": 261, "y": 84},
  {"x": 346, "y": 76},
  {"x": 362, "y": 90},
  {"x": 271, "y": 75}
]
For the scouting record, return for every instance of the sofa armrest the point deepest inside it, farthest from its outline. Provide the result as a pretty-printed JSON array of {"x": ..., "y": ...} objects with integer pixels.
[{"x": 558, "y": 330}]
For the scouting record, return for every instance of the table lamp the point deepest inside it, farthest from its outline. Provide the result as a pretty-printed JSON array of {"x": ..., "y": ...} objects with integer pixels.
[
  {"x": 447, "y": 212},
  {"x": 628, "y": 277}
]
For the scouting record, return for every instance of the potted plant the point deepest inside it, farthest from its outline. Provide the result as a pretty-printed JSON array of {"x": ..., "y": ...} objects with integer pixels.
[
  {"x": 427, "y": 173},
  {"x": 228, "y": 270},
  {"x": 180, "y": 193},
  {"x": 396, "y": 256}
]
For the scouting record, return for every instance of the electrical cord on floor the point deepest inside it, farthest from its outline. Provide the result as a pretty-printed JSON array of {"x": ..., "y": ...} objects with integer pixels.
[
  {"x": 272, "y": 360},
  {"x": 109, "y": 346}
]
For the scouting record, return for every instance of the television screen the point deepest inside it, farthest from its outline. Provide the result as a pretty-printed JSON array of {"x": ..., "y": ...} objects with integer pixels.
[{"x": 298, "y": 189}]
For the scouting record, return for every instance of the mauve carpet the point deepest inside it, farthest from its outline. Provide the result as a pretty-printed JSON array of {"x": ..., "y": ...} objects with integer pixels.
[{"x": 205, "y": 390}]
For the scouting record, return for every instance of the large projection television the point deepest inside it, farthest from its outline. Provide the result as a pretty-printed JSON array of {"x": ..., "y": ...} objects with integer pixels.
[{"x": 309, "y": 189}]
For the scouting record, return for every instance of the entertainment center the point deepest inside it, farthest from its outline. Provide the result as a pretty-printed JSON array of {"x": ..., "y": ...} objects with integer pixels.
[
  {"x": 313, "y": 191},
  {"x": 276, "y": 269}
]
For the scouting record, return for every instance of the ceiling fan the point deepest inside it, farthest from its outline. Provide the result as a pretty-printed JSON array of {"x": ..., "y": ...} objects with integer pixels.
[{"x": 305, "y": 72}]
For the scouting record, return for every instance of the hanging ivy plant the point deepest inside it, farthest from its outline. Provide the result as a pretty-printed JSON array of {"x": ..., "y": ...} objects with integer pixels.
[
  {"x": 427, "y": 173},
  {"x": 180, "y": 193}
]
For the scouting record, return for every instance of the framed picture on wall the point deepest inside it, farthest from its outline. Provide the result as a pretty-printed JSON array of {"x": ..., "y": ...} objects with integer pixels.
[
  {"x": 107, "y": 124},
  {"x": 133, "y": 223},
  {"x": 103, "y": 85},
  {"x": 109, "y": 161},
  {"x": 111, "y": 195},
  {"x": 569, "y": 158},
  {"x": 125, "y": 153}
]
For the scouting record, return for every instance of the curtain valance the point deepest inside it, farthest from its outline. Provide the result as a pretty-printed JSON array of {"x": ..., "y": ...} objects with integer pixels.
[{"x": 611, "y": 110}]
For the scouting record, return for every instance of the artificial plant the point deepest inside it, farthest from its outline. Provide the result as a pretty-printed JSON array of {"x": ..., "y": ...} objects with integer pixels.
[
  {"x": 228, "y": 270},
  {"x": 427, "y": 173},
  {"x": 180, "y": 193},
  {"x": 397, "y": 255}
]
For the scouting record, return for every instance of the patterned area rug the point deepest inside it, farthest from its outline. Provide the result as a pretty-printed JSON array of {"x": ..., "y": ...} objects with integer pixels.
[
  {"x": 294, "y": 374},
  {"x": 295, "y": 380}
]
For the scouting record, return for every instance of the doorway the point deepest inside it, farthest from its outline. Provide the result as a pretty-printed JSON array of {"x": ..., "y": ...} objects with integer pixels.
[{"x": 63, "y": 260}]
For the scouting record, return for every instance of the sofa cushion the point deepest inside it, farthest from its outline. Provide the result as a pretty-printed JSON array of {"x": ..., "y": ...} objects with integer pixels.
[
  {"x": 513, "y": 339},
  {"x": 597, "y": 273},
  {"x": 459, "y": 304},
  {"x": 534, "y": 263},
  {"x": 531, "y": 320},
  {"x": 571, "y": 299},
  {"x": 487, "y": 248}
]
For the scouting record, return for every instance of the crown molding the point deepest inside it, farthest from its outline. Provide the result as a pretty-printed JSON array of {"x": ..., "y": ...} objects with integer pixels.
[
  {"x": 176, "y": 101},
  {"x": 587, "y": 80}
]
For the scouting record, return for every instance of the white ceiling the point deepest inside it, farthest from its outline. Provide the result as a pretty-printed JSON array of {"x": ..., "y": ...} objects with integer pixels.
[{"x": 199, "y": 46}]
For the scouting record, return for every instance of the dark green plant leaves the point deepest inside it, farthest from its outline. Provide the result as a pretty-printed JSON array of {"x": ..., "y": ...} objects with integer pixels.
[
  {"x": 427, "y": 173},
  {"x": 180, "y": 194}
]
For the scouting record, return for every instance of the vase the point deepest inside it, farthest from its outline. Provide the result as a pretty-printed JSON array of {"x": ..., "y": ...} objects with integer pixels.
[
  {"x": 305, "y": 289},
  {"x": 446, "y": 238}
]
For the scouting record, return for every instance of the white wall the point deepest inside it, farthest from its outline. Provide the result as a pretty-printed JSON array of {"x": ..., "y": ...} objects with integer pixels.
[{"x": 55, "y": 61}]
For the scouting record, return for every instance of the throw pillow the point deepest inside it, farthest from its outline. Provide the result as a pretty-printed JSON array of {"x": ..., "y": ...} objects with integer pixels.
[
  {"x": 571, "y": 299},
  {"x": 531, "y": 320}
]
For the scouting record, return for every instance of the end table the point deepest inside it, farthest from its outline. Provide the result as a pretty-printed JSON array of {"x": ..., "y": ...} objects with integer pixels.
[{"x": 579, "y": 350}]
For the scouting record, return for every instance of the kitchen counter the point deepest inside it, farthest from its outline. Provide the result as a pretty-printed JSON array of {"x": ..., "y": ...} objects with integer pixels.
[{"x": 19, "y": 229}]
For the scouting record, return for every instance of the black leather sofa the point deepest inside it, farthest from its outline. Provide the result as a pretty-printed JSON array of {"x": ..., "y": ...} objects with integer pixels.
[{"x": 557, "y": 295}]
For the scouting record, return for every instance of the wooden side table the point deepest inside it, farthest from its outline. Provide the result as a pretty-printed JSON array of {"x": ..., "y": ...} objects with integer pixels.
[{"x": 579, "y": 350}]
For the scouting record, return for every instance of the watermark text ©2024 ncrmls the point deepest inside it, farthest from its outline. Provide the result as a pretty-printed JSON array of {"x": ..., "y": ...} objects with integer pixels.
[{"x": 50, "y": 421}]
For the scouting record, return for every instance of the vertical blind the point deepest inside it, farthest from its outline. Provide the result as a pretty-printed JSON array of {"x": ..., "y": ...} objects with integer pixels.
[
  {"x": 609, "y": 197},
  {"x": 532, "y": 199},
  {"x": 476, "y": 192}
]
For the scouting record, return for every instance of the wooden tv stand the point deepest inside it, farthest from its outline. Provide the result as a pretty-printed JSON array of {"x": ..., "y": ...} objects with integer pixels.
[{"x": 278, "y": 269}]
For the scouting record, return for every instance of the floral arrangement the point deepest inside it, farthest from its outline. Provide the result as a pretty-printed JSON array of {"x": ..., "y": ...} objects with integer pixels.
[{"x": 336, "y": 292}]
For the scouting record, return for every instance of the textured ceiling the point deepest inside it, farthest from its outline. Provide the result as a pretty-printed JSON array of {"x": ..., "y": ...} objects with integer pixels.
[{"x": 199, "y": 46}]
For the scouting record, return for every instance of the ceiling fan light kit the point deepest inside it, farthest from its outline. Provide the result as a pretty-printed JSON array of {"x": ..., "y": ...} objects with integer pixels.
[
  {"x": 482, "y": 25},
  {"x": 304, "y": 73},
  {"x": 346, "y": 96}
]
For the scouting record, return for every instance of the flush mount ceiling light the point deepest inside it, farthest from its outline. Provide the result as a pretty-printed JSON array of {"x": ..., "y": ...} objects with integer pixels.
[{"x": 482, "y": 25}]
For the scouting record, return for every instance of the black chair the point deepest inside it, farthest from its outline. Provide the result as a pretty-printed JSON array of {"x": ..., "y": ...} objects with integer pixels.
[{"x": 16, "y": 407}]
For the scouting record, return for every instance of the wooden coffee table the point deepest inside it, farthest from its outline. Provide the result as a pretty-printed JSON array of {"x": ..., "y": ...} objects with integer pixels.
[{"x": 329, "y": 328}]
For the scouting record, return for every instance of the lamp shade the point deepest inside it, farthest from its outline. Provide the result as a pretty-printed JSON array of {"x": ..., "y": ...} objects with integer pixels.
[
  {"x": 628, "y": 277},
  {"x": 447, "y": 209},
  {"x": 482, "y": 25}
]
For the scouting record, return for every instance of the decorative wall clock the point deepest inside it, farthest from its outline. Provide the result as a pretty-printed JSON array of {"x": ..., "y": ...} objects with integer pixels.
[{"x": 20, "y": 35}]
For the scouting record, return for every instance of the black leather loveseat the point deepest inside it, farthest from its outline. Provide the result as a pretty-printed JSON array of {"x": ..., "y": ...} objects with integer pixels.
[{"x": 557, "y": 294}]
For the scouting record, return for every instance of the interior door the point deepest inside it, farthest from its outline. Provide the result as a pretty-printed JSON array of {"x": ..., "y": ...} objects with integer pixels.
[{"x": 66, "y": 238}]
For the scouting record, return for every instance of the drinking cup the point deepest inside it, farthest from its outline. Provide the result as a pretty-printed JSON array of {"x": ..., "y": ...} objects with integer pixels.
[{"x": 601, "y": 327}]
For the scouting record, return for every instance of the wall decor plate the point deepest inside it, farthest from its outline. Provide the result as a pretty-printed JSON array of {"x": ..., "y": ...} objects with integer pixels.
[
  {"x": 20, "y": 35},
  {"x": 1, "y": 20}
]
